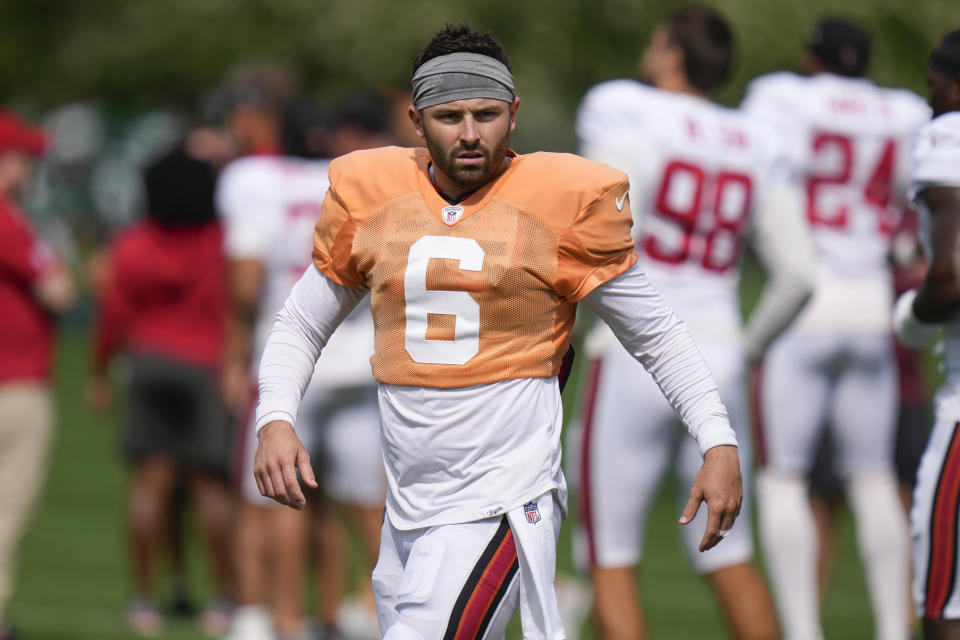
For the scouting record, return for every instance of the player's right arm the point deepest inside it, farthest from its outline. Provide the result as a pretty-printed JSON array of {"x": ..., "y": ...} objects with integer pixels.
[
  {"x": 938, "y": 299},
  {"x": 315, "y": 308},
  {"x": 326, "y": 294}
]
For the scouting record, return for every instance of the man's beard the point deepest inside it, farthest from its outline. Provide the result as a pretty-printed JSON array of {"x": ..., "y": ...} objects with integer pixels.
[{"x": 471, "y": 176}]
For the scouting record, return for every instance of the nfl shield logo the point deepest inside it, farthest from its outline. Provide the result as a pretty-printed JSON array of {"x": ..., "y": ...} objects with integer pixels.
[
  {"x": 451, "y": 214},
  {"x": 532, "y": 512}
]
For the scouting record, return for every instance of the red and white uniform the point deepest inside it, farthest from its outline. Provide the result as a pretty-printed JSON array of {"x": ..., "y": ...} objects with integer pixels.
[
  {"x": 269, "y": 206},
  {"x": 473, "y": 306},
  {"x": 836, "y": 364},
  {"x": 936, "y": 506},
  {"x": 699, "y": 174},
  {"x": 26, "y": 328}
]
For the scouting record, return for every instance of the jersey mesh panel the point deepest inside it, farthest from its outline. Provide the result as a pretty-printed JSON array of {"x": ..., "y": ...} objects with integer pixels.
[{"x": 523, "y": 321}]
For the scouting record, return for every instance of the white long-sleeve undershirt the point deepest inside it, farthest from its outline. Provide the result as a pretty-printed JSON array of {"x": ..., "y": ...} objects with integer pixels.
[
  {"x": 629, "y": 304},
  {"x": 461, "y": 454}
]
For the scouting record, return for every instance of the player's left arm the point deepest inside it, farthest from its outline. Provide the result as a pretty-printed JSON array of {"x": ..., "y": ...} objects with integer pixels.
[
  {"x": 781, "y": 238},
  {"x": 938, "y": 298},
  {"x": 652, "y": 333},
  {"x": 598, "y": 267}
]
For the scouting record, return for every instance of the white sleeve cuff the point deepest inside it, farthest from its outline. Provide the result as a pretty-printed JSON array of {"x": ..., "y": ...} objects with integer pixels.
[
  {"x": 266, "y": 418},
  {"x": 715, "y": 432}
]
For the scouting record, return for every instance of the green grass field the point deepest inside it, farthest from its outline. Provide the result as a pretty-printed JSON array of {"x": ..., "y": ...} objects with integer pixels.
[{"x": 73, "y": 582}]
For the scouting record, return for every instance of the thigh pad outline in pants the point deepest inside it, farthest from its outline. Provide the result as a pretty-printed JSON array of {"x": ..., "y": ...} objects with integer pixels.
[{"x": 455, "y": 581}]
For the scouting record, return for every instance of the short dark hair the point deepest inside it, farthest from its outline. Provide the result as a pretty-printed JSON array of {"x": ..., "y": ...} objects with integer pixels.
[
  {"x": 456, "y": 38},
  {"x": 180, "y": 190},
  {"x": 945, "y": 57},
  {"x": 841, "y": 46},
  {"x": 707, "y": 44}
]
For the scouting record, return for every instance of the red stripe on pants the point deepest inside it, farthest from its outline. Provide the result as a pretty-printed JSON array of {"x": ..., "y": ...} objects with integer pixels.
[
  {"x": 484, "y": 596},
  {"x": 941, "y": 567},
  {"x": 585, "y": 467}
]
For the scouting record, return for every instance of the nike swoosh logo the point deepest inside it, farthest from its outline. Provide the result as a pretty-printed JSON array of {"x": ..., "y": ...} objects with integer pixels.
[{"x": 621, "y": 200}]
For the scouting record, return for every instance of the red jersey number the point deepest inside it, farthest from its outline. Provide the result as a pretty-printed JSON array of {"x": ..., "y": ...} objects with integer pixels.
[
  {"x": 686, "y": 191},
  {"x": 877, "y": 192}
]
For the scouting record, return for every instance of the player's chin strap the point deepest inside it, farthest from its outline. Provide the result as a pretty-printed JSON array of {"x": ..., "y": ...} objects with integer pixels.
[{"x": 461, "y": 76}]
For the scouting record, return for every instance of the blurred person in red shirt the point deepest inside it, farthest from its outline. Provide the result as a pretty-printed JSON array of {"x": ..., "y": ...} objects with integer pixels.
[
  {"x": 165, "y": 304},
  {"x": 34, "y": 287}
]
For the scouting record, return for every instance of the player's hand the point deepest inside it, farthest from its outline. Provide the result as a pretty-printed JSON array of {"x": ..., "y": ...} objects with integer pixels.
[
  {"x": 99, "y": 394},
  {"x": 718, "y": 483},
  {"x": 279, "y": 456},
  {"x": 235, "y": 387}
]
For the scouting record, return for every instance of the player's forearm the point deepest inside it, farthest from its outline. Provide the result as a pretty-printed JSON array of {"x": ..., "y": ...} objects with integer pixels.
[
  {"x": 782, "y": 241},
  {"x": 55, "y": 290},
  {"x": 780, "y": 303},
  {"x": 938, "y": 299},
  {"x": 652, "y": 333},
  {"x": 312, "y": 312}
]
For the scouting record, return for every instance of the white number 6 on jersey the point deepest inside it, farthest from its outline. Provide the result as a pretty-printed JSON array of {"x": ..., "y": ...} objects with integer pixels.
[{"x": 420, "y": 301}]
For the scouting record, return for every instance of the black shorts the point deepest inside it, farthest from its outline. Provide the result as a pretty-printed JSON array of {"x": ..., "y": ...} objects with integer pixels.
[{"x": 175, "y": 409}]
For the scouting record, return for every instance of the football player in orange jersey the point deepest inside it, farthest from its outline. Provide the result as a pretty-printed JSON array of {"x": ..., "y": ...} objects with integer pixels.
[{"x": 474, "y": 258}]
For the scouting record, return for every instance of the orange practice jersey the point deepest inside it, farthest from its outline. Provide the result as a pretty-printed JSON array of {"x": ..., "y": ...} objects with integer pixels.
[{"x": 478, "y": 292}]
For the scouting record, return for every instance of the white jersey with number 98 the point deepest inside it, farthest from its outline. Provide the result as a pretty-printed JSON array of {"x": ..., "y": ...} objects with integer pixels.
[{"x": 697, "y": 173}]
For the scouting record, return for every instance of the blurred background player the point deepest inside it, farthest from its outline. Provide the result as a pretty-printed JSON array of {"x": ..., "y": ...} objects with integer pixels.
[
  {"x": 270, "y": 204},
  {"x": 164, "y": 303},
  {"x": 703, "y": 179},
  {"x": 918, "y": 316},
  {"x": 836, "y": 364},
  {"x": 35, "y": 286},
  {"x": 913, "y": 418}
]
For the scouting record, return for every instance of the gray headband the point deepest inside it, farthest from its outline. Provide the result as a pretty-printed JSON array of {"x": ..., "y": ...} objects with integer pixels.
[{"x": 461, "y": 76}]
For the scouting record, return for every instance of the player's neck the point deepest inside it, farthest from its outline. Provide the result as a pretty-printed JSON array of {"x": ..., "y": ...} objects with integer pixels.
[{"x": 677, "y": 83}]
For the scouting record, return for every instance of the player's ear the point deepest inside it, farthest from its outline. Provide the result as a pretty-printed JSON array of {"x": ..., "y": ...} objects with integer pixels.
[
  {"x": 417, "y": 120},
  {"x": 513, "y": 112},
  {"x": 955, "y": 92}
]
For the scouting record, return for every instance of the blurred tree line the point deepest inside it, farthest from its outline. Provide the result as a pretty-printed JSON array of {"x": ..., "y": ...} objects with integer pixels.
[{"x": 136, "y": 54}]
